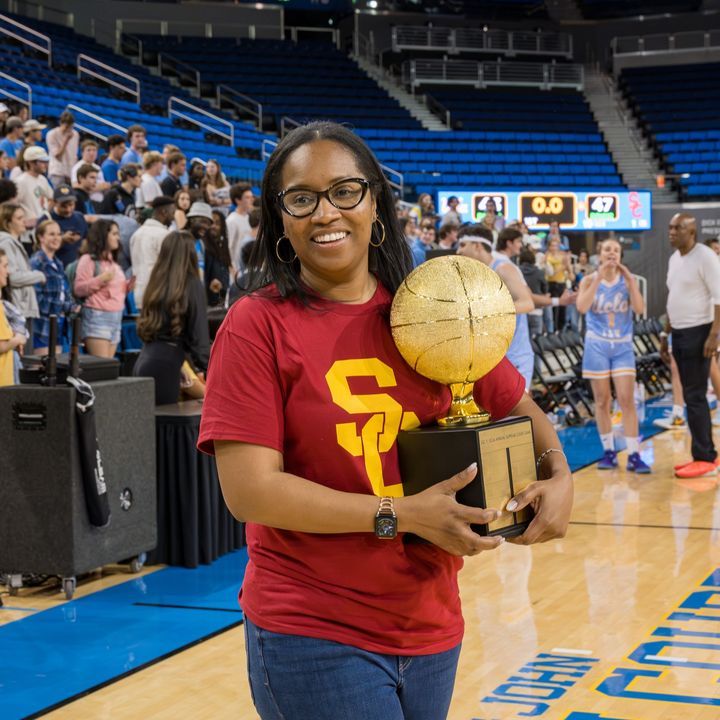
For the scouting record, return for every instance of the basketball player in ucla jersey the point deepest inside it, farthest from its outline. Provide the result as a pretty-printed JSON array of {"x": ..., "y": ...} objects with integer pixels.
[{"x": 608, "y": 298}]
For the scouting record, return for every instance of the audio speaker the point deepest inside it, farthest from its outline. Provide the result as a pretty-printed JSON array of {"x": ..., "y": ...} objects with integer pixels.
[{"x": 43, "y": 518}]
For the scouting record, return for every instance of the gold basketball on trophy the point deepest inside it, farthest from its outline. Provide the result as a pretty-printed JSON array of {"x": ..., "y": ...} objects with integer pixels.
[{"x": 453, "y": 320}]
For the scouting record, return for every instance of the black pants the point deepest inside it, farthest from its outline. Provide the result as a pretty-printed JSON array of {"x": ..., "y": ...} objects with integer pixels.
[
  {"x": 694, "y": 369},
  {"x": 161, "y": 361},
  {"x": 556, "y": 290}
]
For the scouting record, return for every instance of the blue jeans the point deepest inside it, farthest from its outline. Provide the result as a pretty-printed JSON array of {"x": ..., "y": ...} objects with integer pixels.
[{"x": 302, "y": 678}]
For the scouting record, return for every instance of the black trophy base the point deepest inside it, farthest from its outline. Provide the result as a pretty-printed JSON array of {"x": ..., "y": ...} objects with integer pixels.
[{"x": 504, "y": 452}]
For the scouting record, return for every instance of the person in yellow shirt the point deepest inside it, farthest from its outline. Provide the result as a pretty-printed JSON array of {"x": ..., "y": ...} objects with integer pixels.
[
  {"x": 559, "y": 273},
  {"x": 9, "y": 340}
]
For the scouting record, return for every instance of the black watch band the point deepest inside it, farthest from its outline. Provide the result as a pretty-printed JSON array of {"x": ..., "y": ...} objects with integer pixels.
[{"x": 386, "y": 520}]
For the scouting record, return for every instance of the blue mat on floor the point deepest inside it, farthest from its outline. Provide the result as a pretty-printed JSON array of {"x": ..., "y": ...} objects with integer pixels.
[{"x": 53, "y": 656}]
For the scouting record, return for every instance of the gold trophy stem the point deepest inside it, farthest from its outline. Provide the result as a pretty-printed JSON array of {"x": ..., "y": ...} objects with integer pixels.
[{"x": 464, "y": 410}]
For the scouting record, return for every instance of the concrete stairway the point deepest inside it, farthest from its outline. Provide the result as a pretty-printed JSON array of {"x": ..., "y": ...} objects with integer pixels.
[
  {"x": 413, "y": 104},
  {"x": 629, "y": 149}
]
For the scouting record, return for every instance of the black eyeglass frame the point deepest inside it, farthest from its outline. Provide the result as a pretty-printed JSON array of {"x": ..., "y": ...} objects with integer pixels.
[{"x": 324, "y": 193}]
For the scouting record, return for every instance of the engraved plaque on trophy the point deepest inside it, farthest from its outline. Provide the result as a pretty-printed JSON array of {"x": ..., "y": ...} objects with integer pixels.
[{"x": 453, "y": 320}]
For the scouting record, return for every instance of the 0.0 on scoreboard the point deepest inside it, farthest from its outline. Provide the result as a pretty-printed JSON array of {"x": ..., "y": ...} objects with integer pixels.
[{"x": 544, "y": 208}]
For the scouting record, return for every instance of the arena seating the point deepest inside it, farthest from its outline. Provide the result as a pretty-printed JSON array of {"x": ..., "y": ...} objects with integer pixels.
[
  {"x": 270, "y": 71},
  {"x": 680, "y": 107},
  {"x": 54, "y": 88}
]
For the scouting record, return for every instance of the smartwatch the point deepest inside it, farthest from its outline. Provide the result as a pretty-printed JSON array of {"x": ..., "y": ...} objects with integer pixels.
[{"x": 386, "y": 520}]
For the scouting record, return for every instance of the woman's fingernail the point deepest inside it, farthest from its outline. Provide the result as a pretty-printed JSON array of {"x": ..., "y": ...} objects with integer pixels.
[
  {"x": 501, "y": 539},
  {"x": 471, "y": 467},
  {"x": 512, "y": 506}
]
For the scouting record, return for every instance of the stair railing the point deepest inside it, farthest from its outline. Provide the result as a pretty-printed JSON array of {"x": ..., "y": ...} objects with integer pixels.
[
  {"x": 40, "y": 42},
  {"x": 173, "y": 112},
  {"x": 180, "y": 68},
  {"x": 241, "y": 102},
  {"x": 9, "y": 94},
  {"x": 87, "y": 65},
  {"x": 84, "y": 127}
]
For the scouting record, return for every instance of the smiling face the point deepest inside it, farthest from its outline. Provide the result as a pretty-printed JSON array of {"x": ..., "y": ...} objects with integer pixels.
[
  {"x": 332, "y": 245},
  {"x": 610, "y": 252},
  {"x": 51, "y": 240}
]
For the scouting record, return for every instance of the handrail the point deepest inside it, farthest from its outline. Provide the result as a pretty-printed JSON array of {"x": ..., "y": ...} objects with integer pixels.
[
  {"x": 87, "y": 71},
  {"x": 12, "y": 96},
  {"x": 251, "y": 106},
  {"x": 394, "y": 177},
  {"x": 179, "y": 67},
  {"x": 42, "y": 11},
  {"x": 438, "y": 109},
  {"x": 483, "y": 74},
  {"x": 265, "y": 153},
  {"x": 46, "y": 50},
  {"x": 334, "y": 32},
  {"x": 77, "y": 109},
  {"x": 287, "y": 124},
  {"x": 179, "y": 101},
  {"x": 133, "y": 40},
  {"x": 496, "y": 41},
  {"x": 665, "y": 42}
]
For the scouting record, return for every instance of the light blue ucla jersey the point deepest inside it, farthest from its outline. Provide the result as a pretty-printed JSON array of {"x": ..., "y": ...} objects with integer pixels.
[{"x": 610, "y": 316}]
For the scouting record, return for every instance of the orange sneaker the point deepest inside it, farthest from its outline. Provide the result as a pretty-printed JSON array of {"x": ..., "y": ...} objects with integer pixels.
[
  {"x": 697, "y": 469},
  {"x": 716, "y": 463}
]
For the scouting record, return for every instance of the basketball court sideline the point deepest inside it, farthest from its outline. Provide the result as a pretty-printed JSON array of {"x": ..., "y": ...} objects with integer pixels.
[{"x": 618, "y": 621}]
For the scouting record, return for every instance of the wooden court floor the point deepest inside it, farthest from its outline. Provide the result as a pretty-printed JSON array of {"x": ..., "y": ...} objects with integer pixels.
[{"x": 620, "y": 620}]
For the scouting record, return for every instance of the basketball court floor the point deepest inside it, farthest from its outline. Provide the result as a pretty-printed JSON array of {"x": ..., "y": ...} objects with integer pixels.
[{"x": 620, "y": 620}]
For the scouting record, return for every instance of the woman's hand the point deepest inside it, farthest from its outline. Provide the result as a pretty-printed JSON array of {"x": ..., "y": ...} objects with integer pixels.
[
  {"x": 107, "y": 276},
  {"x": 436, "y": 516},
  {"x": 552, "y": 501}
]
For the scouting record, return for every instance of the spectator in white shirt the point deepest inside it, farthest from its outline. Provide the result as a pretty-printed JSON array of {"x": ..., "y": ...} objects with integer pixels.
[
  {"x": 238, "y": 225},
  {"x": 146, "y": 242},
  {"x": 62, "y": 142},
  {"x": 88, "y": 156},
  {"x": 150, "y": 186},
  {"x": 693, "y": 305},
  {"x": 34, "y": 191}
]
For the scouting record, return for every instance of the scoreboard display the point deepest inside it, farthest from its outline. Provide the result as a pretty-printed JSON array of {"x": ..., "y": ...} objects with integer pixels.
[{"x": 625, "y": 210}]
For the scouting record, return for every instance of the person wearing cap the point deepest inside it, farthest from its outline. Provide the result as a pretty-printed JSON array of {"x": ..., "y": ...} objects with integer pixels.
[
  {"x": 73, "y": 226},
  {"x": 476, "y": 241},
  {"x": 12, "y": 142},
  {"x": 34, "y": 191},
  {"x": 32, "y": 130},
  {"x": 146, "y": 241},
  {"x": 200, "y": 222},
  {"x": 111, "y": 165},
  {"x": 197, "y": 173},
  {"x": 62, "y": 142}
]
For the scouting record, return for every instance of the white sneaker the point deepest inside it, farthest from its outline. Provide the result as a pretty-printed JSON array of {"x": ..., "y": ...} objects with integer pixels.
[{"x": 671, "y": 422}]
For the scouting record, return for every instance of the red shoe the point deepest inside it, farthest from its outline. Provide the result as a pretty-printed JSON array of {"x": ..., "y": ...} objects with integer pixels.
[
  {"x": 697, "y": 469},
  {"x": 716, "y": 462}
]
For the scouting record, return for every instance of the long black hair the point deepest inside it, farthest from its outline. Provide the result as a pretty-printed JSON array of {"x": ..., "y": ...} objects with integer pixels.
[{"x": 390, "y": 262}]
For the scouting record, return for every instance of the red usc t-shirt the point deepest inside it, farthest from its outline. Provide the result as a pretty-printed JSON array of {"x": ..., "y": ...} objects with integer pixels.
[{"x": 328, "y": 388}]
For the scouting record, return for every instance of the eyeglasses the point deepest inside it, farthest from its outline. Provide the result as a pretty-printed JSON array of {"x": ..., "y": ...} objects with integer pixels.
[{"x": 344, "y": 195}]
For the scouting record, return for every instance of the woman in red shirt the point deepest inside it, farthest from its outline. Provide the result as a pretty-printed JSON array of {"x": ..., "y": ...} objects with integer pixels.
[{"x": 306, "y": 394}]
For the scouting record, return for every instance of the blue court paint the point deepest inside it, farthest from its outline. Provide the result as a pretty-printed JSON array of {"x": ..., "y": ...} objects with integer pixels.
[
  {"x": 582, "y": 444},
  {"x": 57, "y": 654}
]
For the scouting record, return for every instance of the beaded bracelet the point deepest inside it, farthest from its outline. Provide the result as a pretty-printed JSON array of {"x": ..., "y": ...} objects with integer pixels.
[{"x": 545, "y": 454}]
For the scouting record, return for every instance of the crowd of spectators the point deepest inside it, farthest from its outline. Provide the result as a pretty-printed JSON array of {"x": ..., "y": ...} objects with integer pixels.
[{"x": 83, "y": 225}]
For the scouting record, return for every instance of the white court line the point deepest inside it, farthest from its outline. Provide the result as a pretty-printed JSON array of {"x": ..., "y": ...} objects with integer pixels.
[
  {"x": 572, "y": 651},
  {"x": 667, "y": 658}
]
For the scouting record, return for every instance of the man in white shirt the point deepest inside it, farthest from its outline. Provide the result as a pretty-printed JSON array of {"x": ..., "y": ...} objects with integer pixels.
[
  {"x": 34, "y": 191},
  {"x": 62, "y": 143},
  {"x": 88, "y": 156},
  {"x": 146, "y": 241},
  {"x": 693, "y": 307},
  {"x": 150, "y": 186},
  {"x": 238, "y": 225}
]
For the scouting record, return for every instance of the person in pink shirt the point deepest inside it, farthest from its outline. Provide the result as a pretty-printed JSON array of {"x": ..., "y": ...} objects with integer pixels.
[{"x": 101, "y": 284}]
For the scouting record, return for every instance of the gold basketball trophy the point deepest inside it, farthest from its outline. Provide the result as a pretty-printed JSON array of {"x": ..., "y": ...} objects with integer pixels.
[{"x": 453, "y": 320}]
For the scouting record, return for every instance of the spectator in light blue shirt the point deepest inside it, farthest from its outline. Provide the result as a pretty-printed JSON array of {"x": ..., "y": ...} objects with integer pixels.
[
  {"x": 12, "y": 143},
  {"x": 137, "y": 138},
  {"x": 112, "y": 163}
]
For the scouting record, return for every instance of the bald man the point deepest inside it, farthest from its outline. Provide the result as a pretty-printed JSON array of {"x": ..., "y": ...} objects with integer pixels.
[{"x": 693, "y": 308}]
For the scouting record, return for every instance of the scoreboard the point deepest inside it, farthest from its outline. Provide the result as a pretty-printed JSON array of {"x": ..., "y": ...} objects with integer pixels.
[{"x": 572, "y": 209}]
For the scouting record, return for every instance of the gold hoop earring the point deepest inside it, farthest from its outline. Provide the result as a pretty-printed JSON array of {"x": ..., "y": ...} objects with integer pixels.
[
  {"x": 277, "y": 251},
  {"x": 382, "y": 237}
]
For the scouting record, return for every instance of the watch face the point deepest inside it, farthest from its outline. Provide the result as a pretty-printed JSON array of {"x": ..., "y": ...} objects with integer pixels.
[{"x": 385, "y": 527}]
